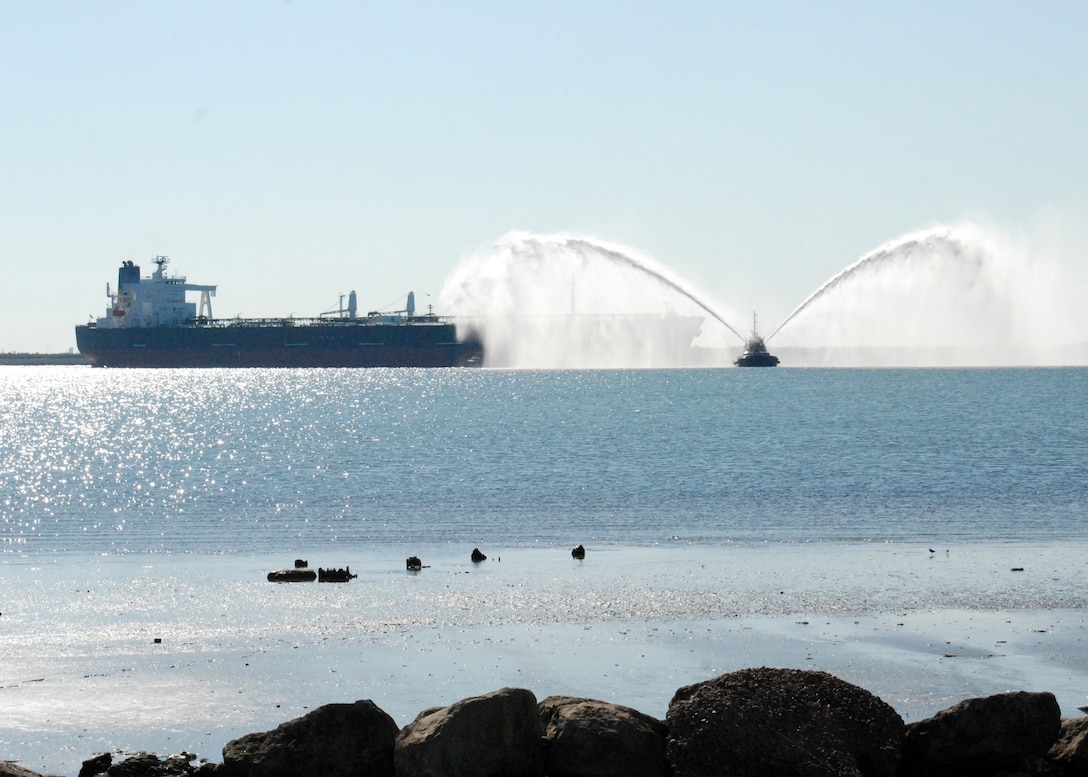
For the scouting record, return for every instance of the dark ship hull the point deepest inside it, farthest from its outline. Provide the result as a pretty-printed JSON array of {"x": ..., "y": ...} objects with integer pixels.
[
  {"x": 280, "y": 343},
  {"x": 756, "y": 359}
]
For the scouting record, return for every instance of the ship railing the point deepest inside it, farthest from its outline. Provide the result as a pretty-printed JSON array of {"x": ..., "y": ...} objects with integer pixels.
[{"x": 315, "y": 321}]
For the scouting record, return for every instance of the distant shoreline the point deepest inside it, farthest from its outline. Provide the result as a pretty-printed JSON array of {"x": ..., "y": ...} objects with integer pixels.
[{"x": 35, "y": 359}]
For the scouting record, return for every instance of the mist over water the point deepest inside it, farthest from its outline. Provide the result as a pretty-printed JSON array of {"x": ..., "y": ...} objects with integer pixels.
[
  {"x": 563, "y": 301},
  {"x": 960, "y": 295}
]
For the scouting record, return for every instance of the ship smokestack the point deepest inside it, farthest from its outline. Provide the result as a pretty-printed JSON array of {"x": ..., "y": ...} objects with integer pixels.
[
  {"x": 127, "y": 275},
  {"x": 411, "y": 304},
  {"x": 353, "y": 304}
]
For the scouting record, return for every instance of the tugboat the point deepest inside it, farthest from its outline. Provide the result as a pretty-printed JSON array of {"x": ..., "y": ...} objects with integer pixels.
[{"x": 755, "y": 351}]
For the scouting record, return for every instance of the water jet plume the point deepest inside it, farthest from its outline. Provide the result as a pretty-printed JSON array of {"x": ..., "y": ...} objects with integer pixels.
[
  {"x": 947, "y": 296},
  {"x": 563, "y": 301}
]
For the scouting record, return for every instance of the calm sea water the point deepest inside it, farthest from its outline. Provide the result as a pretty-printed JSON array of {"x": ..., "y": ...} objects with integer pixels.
[
  {"x": 732, "y": 518},
  {"x": 256, "y": 460}
]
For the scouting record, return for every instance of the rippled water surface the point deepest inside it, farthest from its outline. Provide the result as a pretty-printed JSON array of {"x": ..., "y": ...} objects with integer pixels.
[
  {"x": 918, "y": 532},
  {"x": 249, "y": 460}
]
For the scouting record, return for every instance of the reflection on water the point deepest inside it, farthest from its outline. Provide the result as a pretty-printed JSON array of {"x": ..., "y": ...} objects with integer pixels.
[
  {"x": 732, "y": 518},
  {"x": 264, "y": 460},
  {"x": 82, "y": 671}
]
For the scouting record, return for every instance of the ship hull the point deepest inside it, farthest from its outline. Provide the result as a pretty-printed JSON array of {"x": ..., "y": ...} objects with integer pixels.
[
  {"x": 339, "y": 344},
  {"x": 757, "y": 359}
]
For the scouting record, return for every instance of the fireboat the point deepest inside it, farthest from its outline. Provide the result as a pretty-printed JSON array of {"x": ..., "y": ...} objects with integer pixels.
[{"x": 755, "y": 352}]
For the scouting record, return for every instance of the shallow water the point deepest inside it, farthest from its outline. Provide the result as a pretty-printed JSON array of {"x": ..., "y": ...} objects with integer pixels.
[
  {"x": 732, "y": 518},
  {"x": 83, "y": 673}
]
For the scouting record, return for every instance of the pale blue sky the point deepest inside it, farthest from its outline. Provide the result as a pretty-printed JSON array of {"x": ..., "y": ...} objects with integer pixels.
[{"x": 289, "y": 152}]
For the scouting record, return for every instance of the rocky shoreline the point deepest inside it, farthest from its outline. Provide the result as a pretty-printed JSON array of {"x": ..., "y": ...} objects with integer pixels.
[{"x": 754, "y": 722}]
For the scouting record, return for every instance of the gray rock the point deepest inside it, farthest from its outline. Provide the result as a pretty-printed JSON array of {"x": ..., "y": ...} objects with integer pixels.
[
  {"x": 982, "y": 736},
  {"x": 149, "y": 765},
  {"x": 1071, "y": 749},
  {"x": 781, "y": 722},
  {"x": 590, "y": 738},
  {"x": 12, "y": 769},
  {"x": 337, "y": 740},
  {"x": 496, "y": 735},
  {"x": 96, "y": 765}
]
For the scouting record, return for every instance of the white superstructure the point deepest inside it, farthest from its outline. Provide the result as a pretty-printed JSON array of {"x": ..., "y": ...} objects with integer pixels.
[{"x": 158, "y": 300}]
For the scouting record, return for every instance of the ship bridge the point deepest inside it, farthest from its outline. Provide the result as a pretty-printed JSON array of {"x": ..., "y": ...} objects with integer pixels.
[{"x": 157, "y": 300}]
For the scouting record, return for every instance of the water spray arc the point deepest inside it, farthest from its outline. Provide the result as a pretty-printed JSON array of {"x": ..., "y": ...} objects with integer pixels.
[
  {"x": 627, "y": 261},
  {"x": 927, "y": 243},
  {"x": 959, "y": 295},
  {"x": 568, "y": 301}
]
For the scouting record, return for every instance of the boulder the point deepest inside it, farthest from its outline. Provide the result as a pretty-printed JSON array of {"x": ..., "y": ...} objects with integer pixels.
[
  {"x": 96, "y": 765},
  {"x": 478, "y": 556},
  {"x": 292, "y": 576},
  {"x": 496, "y": 735},
  {"x": 1071, "y": 749},
  {"x": 590, "y": 738},
  {"x": 337, "y": 740},
  {"x": 150, "y": 765},
  {"x": 781, "y": 722},
  {"x": 982, "y": 736}
]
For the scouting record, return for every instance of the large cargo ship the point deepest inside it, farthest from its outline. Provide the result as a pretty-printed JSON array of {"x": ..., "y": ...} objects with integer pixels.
[{"x": 149, "y": 322}]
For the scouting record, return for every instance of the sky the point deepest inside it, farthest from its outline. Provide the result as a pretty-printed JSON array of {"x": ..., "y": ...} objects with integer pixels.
[{"x": 290, "y": 152}]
